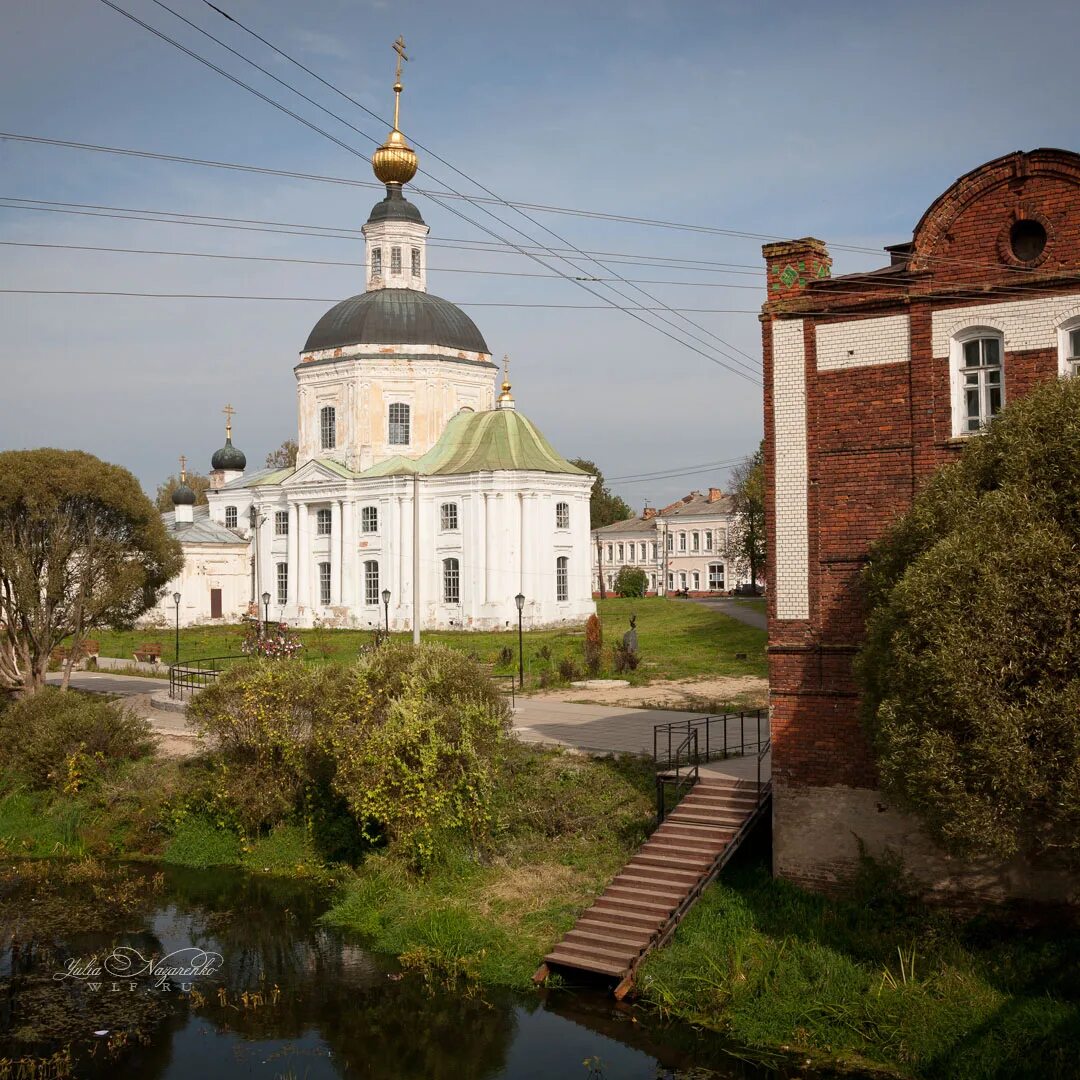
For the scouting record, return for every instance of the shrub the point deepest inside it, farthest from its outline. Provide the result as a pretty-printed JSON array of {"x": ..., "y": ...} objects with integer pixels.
[
  {"x": 64, "y": 739},
  {"x": 594, "y": 644},
  {"x": 971, "y": 667},
  {"x": 568, "y": 670},
  {"x": 276, "y": 642},
  {"x": 506, "y": 655},
  {"x": 625, "y": 659},
  {"x": 631, "y": 581},
  {"x": 417, "y": 747}
]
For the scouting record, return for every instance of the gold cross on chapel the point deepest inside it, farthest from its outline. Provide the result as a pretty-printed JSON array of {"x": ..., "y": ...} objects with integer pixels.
[
  {"x": 399, "y": 48},
  {"x": 229, "y": 412},
  {"x": 183, "y": 468}
]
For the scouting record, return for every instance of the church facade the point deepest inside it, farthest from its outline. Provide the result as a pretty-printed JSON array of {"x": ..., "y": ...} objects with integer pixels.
[{"x": 418, "y": 498}]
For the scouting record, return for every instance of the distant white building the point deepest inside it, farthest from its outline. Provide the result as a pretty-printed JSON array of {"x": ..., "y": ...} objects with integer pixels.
[
  {"x": 685, "y": 547},
  {"x": 411, "y": 478}
]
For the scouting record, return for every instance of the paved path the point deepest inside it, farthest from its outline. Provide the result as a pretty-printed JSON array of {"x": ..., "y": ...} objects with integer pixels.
[
  {"x": 740, "y": 610},
  {"x": 97, "y": 682}
]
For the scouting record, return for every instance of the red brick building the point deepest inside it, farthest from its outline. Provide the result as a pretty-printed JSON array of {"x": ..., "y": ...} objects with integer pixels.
[{"x": 872, "y": 382}]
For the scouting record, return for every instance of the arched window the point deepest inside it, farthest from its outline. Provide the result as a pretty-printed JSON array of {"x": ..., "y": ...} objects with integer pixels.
[
  {"x": 369, "y": 519},
  {"x": 415, "y": 262},
  {"x": 328, "y": 426},
  {"x": 371, "y": 582},
  {"x": 230, "y": 517},
  {"x": 324, "y": 583},
  {"x": 448, "y": 517},
  {"x": 376, "y": 262},
  {"x": 978, "y": 384},
  {"x": 1069, "y": 347},
  {"x": 451, "y": 581},
  {"x": 399, "y": 424},
  {"x": 323, "y": 520},
  {"x": 562, "y": 578},
  {"x": 562, "y": 515}
]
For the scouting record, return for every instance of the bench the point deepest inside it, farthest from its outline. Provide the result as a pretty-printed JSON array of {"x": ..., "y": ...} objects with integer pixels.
[
  {"x": 86, "y": 650},
  {"x": 148, "y": 653},
  {"x": 502, "y": 682}
]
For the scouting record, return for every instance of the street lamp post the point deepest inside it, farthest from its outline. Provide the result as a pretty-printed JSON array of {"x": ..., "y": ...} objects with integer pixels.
[
  {"x": 176, "y": 601},
  {"x": 386, "y": 609},
  {"x": 266, "y": 611},
  {"x": 520, "y": 601}
]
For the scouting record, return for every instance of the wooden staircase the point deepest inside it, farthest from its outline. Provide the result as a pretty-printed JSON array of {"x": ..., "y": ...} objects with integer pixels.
[{"x": 647, "y": 899}]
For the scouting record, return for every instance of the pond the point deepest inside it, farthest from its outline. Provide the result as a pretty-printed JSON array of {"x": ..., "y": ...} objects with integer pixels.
[{"x": 255, "y": 985}]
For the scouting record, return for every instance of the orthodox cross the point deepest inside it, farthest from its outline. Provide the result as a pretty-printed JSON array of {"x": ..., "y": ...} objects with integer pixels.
[
  {"x": 399, "y": 48},
  {"x": 506, "y": 367},
  {"x": 183, "y": 469},
  {"x": 229, "y": 411}
]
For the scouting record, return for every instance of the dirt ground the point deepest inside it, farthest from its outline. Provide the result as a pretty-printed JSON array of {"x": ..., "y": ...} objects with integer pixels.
[{"x": 695, "y": 695}]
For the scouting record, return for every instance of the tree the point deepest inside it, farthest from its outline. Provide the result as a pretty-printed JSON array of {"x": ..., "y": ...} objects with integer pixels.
[
  {"x": 971, "y": 666},
  {"x": 631, "y": 581},
  {"x": 604, "y": 507},
  {"x": 196, "y": 481},
  {"x": 284, "y": 457},
  {"x": 81, "y": 547},
  {"x": 746, "y": 536}
]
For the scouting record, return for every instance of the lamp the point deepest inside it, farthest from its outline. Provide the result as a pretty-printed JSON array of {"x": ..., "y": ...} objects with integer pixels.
[
  {"x": 266, "y": 610},
  {"x": 386, "y": 607},
  {"x": 520, "y": 601},
  {"x": 176, "y": 654}
]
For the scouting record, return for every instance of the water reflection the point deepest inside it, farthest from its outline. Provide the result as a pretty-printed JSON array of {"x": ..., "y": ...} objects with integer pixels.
[{"x": 292, "y": 998}]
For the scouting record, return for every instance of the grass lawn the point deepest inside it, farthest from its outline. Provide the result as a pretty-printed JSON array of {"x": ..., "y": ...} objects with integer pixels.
[{"x": 677, "y": 639}]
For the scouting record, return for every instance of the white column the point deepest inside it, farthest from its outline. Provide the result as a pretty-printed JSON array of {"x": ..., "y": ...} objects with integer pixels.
[
  {"x": 528, "y": 549},
  {"x": 491, "y": 546},
  {"x": 348, "y": 553},
  {"x": 267, "y": 569},
  {"x": 293, "y": 548},
  {"x": 303, "y": 556},
  {"x": 335, "y": 552}
]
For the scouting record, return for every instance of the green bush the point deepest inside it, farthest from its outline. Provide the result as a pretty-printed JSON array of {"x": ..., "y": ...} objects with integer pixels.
[
  {"x": 971, "y": 666},
  {"x": 64, "y": 739},
  {"x": 631, "y": 581}
]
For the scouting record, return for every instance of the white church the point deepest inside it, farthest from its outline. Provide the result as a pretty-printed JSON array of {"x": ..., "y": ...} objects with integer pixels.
[{"x": 418, "y": 497}]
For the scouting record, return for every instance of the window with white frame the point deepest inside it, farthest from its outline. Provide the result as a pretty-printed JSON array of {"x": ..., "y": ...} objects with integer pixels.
[
  {"x": 230, "y": 517},
  {"x": 682, "y": 541},
  {"x": 1069, "y": 335},
  {"x": 371, "y": 582},
  {"x": 415, "y": 262},
  {"x": 655, "y": 550},
  {"x": 562, "y": 578},
  {"x": 328, "y": 427},
  {"x": 562, "y": 515},
  {"x": 619, "y": 554},
  {"x": 671, "y": 581},
  {"x": 716, "y": 576},
  {"x": 652, "y": 583},
  {"x": 695, "y": 541},
  {"x": 610, "y": 555},
  {"x": 376, "y": 262},
  {"x": 448, "y": 519},
  {"x": 671, "y": 541},
  {"x": 399, "y": 424},
  {"x": 451, "y": 581},
  {"x": 643, "y": 551},
  {"x": 395, "y": 260},
  {"x": 695, "y": 579},
  {"x": 611, "y": 581},
  {"x": 324, "y": 583},
  {"x": 682, "y": 579},
  {"x": 281, "y": 522},
  {"x": 977, "y": 379},
  {"x": 282, "y": 583},
  {"x": 369, "y": 519},
  {"x": 708, "y": 539},
  {"x": 322, "y": 522}
]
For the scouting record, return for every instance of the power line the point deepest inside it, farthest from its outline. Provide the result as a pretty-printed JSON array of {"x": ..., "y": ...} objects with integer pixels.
[
  {"x": 752, "y": 376},
  {"x": 678, "y": 468}
]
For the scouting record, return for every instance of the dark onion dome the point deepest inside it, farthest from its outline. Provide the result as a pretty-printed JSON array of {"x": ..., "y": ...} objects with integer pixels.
[
  {"x": 229, "y": 458},
  {"x": 396, "y": 317},
  {"x": 395, "y": 207},
  {"x": 183, "y": 495}
]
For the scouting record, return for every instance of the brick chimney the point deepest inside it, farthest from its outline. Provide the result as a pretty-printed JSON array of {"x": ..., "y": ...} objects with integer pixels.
[
  {"x": 793, "y": 264},
  {"x": 715, "y": 494},
  {"x": 648, "y": 512}
]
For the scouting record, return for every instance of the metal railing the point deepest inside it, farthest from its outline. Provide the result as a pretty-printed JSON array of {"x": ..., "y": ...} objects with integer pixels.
[
  {"x": 719, "y": 737},
  {"x": 194, "y": 675},
  {"x": 685, "y": 757}
]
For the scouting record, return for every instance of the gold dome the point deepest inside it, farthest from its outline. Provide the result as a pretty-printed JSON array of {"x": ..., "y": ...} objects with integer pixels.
[{"x": 395, "y": 161}]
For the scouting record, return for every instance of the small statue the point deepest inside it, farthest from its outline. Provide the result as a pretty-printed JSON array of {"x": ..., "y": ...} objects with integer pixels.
[{"x": 629, "y": 639}]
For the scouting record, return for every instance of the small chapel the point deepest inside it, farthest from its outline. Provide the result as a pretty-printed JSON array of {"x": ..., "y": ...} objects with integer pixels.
[{"x": 419, "y": 498}]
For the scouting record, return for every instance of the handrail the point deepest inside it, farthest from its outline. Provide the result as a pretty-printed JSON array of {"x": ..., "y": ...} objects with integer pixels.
[
  {"x": 720, "y": 741},
  {"x": 193, "y": 675},
  {"x": 690, "y": 745}
]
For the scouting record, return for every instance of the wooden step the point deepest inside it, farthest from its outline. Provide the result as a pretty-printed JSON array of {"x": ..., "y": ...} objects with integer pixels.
[
  {"x": 662, "y": 895},
  {"x": 689, "y": 842},
  {"x": 638, "y": 920},
  {"x": 589, "y": 935},
  {"x": 655, "y": 857},
  {"x": 607, "y": 953},
  {"x": 640, "y": 881},
  {"x": 706, "y": 811},
  {"x": 657, "y": 909},
  {"x": 660, "y": 873},
  {"x": 573, "y": 960},
  {"x": 707, "y": 818},
  {"x": 616, "y": 926},
  {"x": 721, "y": 799},
  {"x": 692, "y": 833},
  {"x": 676, "y": 850}
]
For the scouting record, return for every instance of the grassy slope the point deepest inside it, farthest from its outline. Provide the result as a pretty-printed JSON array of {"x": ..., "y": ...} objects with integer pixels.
[
  {"x": 873, "y": 979},
  {"x": 677, "y": 639}
]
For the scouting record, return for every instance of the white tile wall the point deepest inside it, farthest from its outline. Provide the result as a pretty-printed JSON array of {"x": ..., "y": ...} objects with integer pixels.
[
  {"x": 862, "y": 342},
  {"x": 1026, "y": 324},
  {"x": 792, "y": 582}
]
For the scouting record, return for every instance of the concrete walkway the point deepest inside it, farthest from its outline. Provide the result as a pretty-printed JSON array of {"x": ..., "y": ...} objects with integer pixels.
[{"x": 741, "y": 610}]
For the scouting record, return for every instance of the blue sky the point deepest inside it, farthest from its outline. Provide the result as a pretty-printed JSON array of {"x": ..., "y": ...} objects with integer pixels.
[{"x": 838, "y": 120}]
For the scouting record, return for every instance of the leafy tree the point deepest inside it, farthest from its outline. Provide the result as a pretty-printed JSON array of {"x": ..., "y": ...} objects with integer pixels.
[
  {"x": 971, "y": 665},
  {"x": 605, "y": 508},
  {"x": 746, "y": 536},
  {"x": 631, "y": 581},
  {"x": 196, "y": 481},
  {"x": 284, "y": 457},
  {"x": 81, "y": 547}
]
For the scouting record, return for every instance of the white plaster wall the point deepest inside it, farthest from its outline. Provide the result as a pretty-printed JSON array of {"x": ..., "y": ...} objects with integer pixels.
[
  {"x": 862, "y": 342},
  {"x": 1025, "y": 324},
  {"x": 792, "y": 585},
  {"x": 405, "y": 235},
  {"x": 208, "y": 566}
]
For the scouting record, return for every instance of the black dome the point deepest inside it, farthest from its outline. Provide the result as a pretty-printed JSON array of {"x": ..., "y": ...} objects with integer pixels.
[
  {"x": 396, "y": 317},
  {"x": 183, "y": 495},
  {"x": 228, "y": 457},
  {"x": 395, "y": 207}
]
